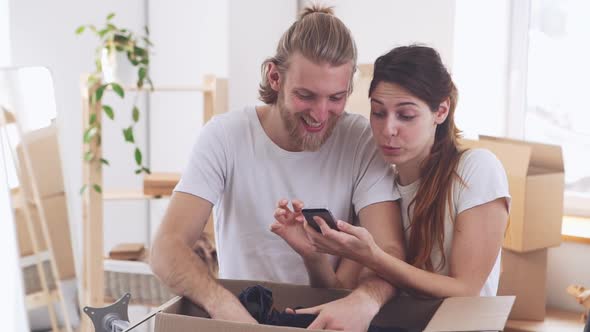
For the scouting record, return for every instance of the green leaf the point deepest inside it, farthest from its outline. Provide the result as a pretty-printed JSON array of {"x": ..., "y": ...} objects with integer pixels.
[
  {"x": 97, "y": 188},
  {"x": 147, "y": 41},
  {"x": 141, "y": 73},
  {"x": 118, "y": 90},
  {"x": 108, "y": 111},
  {"x": 128, "y": 134},
  {"x": 111, "y": 27},
  {"x": 132, "y": 58},
  {"x": 88, "y": 156},
  {"x": 92, "y": 27},
  {"x": 103, "y": 32},
  {"x": 138, "y": 156},
  {"x": 135, "y": 114},
  {"x": 92, "y": 119},
  {"x": 80, "y": 29},
  {"x": 110, "y": 17},
  {"x": 83, "y": 189},
  {"x": 147, "y": 170},
  {"x": 99, "y": 92},
  {"x": 139, "y": 51},
  {"x": 89, "y": 134},
  {"x": 137, "y": 171},
  {"x": 120, "y": 39},
  {"x": 98, "y": 65},
  {"x": 104, "y": 161}
]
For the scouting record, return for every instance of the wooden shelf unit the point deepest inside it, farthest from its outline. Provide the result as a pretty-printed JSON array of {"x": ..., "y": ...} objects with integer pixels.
[{"x": 214, "y": 92}]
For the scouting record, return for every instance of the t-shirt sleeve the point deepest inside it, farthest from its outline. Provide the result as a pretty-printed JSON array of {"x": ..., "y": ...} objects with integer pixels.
[
  {"x": 484, "y": 180},
  {"x": 374, "y": 176},
  {"x": 206, "y": 171}
]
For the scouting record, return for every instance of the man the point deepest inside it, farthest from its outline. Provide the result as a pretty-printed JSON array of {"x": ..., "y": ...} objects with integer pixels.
[{"x": 301, "y": 144}]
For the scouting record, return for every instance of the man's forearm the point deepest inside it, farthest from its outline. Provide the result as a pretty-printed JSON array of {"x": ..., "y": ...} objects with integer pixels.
[
  {"x": 184, "y": 272},
  {"x": 320, "y": 273},
  {"x": 375, "y": 288},
  {"x": 187, "y": 274}
]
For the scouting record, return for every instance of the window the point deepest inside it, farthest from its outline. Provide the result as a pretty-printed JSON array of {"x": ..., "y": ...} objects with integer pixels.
[{"x": 557, "y": 89}]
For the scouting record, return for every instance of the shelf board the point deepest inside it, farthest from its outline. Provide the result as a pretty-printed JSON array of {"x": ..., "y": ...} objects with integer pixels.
[
  {"x": 32, "y": 259},
  {"x": 170, "y": 88},
  {"x": 124, "y": 266},
  {"x": 129, "y": 194}
]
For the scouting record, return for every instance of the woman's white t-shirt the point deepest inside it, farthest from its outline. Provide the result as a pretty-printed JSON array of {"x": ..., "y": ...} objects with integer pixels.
[{"x": 485, "y": 181}]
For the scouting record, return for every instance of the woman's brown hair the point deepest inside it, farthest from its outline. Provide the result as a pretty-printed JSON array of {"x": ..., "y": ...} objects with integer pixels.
[{"x": 419, "y": 69}]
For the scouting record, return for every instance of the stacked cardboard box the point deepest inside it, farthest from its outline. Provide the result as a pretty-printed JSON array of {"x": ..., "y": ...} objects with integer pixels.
[
  {"x": 536, "y": 179},
  {"x": 40, "y": 165}
]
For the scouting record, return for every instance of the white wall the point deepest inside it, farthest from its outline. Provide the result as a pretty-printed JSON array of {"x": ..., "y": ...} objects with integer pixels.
[
  {"x": 4, "y": 34},
  {"x": 380, "y": 25},
  {"x": 480, "y": 65},
  {"x": 255, "y": 28},
  {"x": 191, "y": 40}
]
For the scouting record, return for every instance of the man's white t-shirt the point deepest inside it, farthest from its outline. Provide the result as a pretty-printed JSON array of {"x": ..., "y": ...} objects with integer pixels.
[
  {"x": 485, "y": 181},
  {"x": 238, "y": 168}
]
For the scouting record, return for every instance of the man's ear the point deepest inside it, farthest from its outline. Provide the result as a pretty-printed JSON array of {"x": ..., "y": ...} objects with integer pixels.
[
  {"x": 274, "y": 76},
  {"x": 443, "y": 111}
]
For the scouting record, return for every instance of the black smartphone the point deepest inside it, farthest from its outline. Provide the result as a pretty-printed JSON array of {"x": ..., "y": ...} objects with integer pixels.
[{"x": 322, "y": 213}]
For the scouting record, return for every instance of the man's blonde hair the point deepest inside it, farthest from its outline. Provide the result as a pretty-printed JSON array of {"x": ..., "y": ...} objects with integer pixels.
[{"x": 320, "y": 37}]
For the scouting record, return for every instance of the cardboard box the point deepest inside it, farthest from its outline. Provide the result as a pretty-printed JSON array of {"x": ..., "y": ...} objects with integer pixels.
[
  {"x": 56, "y": 216},
  {"x": 358, "y": 102},
  {"x": 525, "y": 275},
  {"x": 451, "y": 314},
  {"x": 536, "y": 179},
  {"x": 128, "y": 251},
  {"x": 43, "y": 151},
  {"x": 160, "y": 184}
]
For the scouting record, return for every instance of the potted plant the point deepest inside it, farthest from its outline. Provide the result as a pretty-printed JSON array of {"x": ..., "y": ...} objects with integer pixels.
[{"x": 115, "y": 41}]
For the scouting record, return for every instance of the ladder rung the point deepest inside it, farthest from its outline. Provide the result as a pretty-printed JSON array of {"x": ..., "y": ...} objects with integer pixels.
[
  {"x": 42, "y": 256},
  {"x": 38, "y": 299}
]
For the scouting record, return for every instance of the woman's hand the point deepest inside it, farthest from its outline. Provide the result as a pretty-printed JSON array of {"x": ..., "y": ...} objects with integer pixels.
[
  {"x": 352, "y": 242},
  {"x": 289, "y": 225}
]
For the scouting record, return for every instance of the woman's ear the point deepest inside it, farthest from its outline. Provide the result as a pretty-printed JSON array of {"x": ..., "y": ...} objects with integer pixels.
[
  {"x": 443, "y": 111},
  {"x": 273, "y": 76}
]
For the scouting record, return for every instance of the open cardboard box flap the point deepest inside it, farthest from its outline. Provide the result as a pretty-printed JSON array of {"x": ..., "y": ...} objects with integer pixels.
[
  {"x": 451, "y": 314},
  {"x": 536, "y": 179},
  {"x": 542, "y": 156}
]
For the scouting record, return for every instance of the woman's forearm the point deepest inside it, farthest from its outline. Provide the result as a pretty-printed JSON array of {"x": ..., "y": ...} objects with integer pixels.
[{"x": 404, "y": 275}]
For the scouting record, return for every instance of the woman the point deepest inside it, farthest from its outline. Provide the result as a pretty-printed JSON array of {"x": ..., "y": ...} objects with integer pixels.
[{"x": 454, "y": 202}]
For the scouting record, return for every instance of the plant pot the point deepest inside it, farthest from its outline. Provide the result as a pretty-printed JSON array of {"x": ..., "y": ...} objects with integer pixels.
[{"x": 117, "y": 68}]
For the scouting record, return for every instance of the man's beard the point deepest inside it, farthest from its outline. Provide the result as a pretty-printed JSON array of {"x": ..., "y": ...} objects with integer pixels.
[{"x": 305, "y": 141}]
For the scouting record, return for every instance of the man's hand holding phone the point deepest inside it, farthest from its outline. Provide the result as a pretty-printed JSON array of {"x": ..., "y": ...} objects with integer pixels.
[{"x": 289, "y": 226}]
